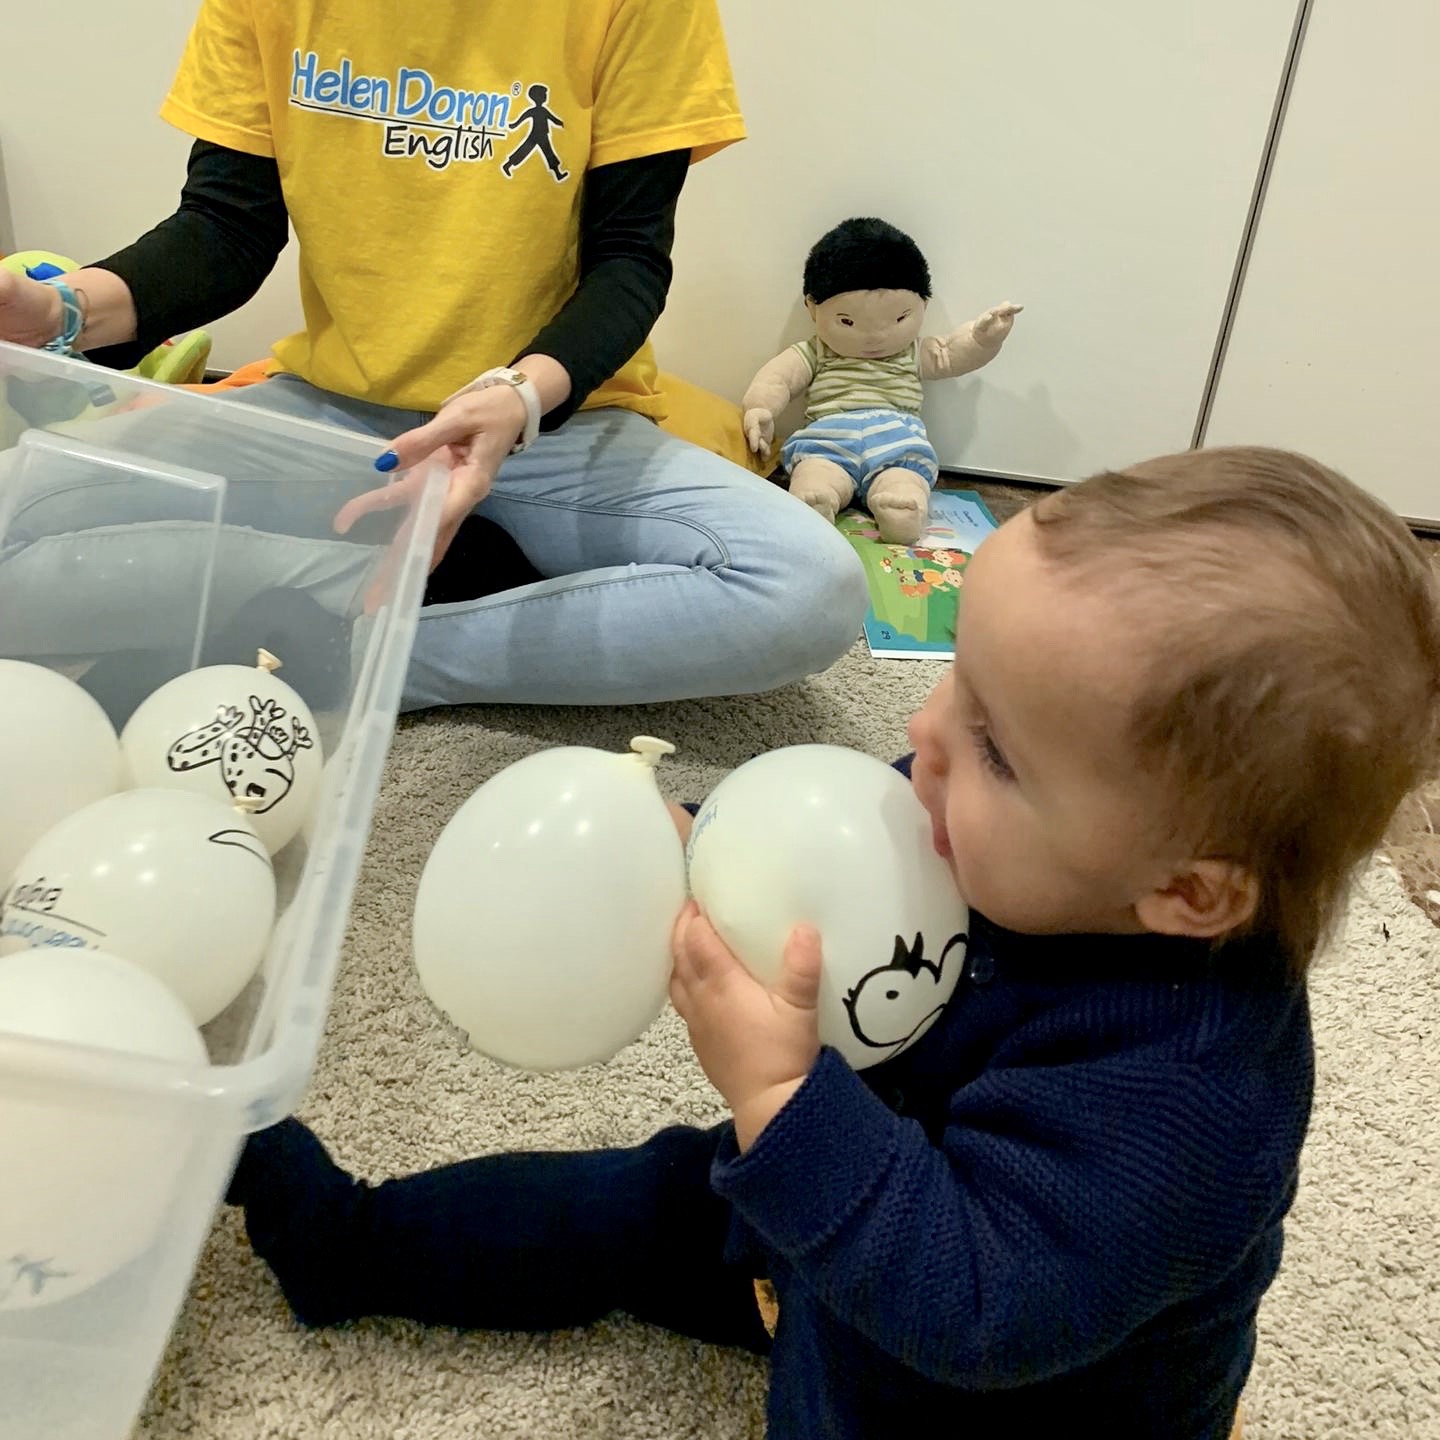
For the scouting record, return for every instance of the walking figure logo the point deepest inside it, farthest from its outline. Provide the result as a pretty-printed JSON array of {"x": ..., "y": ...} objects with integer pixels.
[{"x": 540, "y": 120}]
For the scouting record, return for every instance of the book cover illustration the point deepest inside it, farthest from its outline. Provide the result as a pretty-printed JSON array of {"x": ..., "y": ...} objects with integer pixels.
[{"x": 915, "y": 589}]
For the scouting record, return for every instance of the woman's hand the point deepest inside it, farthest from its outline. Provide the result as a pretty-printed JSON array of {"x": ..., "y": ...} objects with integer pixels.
[
  {"x": 474, "y": 432},
  {"x": 30, "y": 313}
]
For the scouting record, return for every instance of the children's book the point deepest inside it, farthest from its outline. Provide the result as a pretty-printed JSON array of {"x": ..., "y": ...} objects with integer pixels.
[{"x": 915, "y": 589}]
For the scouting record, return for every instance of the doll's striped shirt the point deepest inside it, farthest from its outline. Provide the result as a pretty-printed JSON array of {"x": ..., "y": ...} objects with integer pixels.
[{"x": 838, "y": 383}]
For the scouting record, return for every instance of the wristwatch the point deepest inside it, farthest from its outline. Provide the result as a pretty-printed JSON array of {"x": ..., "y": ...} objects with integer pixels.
[{"x": 503, "y": 375}]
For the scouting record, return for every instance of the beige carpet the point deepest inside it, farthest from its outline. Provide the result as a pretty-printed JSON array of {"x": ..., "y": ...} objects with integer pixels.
[{"x": 1351, "y": 1331}]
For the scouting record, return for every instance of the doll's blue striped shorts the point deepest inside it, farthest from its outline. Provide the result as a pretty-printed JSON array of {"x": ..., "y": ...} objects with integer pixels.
[{"x": 863, "y": 443}]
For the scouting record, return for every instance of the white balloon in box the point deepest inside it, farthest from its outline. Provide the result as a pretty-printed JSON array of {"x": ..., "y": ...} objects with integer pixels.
[
  {"x": 58, "y": 753},
  {"x": 89, "y": 1176},
  {"x": 177, "y": 883}
]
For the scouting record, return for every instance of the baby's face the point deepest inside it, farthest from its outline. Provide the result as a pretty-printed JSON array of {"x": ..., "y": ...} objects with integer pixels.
[
  {"x": 1036, "y": 802},
  {"x": 868, "y": 324}
]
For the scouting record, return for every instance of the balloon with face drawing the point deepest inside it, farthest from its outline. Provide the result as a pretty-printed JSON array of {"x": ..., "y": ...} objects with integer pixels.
[
  {"x": 896, "y": 1003},
  {"x": 822, "y": 835}
]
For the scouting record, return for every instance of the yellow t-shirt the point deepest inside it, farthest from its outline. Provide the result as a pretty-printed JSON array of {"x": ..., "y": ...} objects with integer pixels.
[{"x": 432, "y": 156}]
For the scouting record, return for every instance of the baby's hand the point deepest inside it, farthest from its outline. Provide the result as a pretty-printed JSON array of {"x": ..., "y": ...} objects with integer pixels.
[
  {"x": 683, "y": 820},
  {"x": 759, "y": 431},
  {"x": 996, "y": 323},
  {"x": 755, "y": 1043}
]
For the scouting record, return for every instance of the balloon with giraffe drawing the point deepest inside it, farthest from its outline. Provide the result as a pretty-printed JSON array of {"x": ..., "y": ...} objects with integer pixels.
[
  {"x": 826, "y": 836},
  {"x": 236, "y": 734}
]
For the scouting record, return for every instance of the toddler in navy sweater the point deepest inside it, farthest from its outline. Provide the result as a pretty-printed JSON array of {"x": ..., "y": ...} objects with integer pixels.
[{"x": 1186, "y": 701}]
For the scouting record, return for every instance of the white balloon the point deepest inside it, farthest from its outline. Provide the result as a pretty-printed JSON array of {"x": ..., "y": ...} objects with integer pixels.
[
  {"x": 544, "y": 916},
  {"x": 234, "y": 733},
  {"x": 333, "y": 774},
  {"x": 821, "y": 835},
  {"x": 58, "y": 753},
  {"x": 177, "y": 883},
  {"x": 88, "y": 1182}
]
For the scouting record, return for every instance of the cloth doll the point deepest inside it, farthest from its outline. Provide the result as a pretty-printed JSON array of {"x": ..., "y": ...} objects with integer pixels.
[{"x": 866, "y": 288}]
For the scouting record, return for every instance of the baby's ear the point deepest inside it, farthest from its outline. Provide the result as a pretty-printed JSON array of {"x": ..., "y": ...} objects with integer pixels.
[{"x": 1207, "y": 899}]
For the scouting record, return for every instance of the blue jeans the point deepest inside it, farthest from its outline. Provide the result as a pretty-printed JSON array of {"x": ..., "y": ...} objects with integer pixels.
[{"x": 671, "y": 574}]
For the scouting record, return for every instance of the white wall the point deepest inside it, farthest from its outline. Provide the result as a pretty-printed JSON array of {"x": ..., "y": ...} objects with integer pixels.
[
  {"x": 90, "y": 169},
  {"x": 7, "y": 233},
  {"x": 1336, "y": 342},
  {"x": 1092, "y": 161}
]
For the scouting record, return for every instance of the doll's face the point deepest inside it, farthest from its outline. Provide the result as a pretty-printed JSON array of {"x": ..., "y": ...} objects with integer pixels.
[{"x": 868, "y": 324}]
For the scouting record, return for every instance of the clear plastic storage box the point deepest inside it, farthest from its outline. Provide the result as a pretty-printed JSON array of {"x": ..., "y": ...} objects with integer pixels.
[{"x": 146, "y": 531}]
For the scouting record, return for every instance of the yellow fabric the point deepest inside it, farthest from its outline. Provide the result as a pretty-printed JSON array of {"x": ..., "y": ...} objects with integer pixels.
[
  {"x": 712, "y": 422},
  {"x": 421, "y": 262}
]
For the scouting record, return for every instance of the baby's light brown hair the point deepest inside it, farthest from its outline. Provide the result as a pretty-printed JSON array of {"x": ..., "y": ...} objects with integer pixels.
[{"x": 1292, "y": 695}]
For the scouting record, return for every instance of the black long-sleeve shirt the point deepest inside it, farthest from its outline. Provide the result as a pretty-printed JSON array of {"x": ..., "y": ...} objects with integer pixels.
[{"x": 216, "y": 250}]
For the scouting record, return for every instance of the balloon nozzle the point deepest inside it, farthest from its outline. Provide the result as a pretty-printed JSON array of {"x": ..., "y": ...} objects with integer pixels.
[{"x": 650, "y": 750}]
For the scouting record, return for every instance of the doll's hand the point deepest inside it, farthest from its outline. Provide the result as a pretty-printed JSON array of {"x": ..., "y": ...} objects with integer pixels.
[
  {"x": 759, "y": 431},
  {"x": 995, "y": 324},
  {"x": 756, "y": 1044}
]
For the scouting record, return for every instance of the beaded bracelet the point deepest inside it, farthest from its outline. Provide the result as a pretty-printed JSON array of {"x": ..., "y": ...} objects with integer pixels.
[{"x": 73, "y": 317}]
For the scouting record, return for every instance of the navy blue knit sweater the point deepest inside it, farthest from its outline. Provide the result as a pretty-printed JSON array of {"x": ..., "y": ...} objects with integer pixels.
[{"x": 1061, "y": 1207}]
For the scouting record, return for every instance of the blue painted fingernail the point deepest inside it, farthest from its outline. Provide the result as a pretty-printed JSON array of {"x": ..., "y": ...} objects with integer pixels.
[{"x": 387, "y": 462}]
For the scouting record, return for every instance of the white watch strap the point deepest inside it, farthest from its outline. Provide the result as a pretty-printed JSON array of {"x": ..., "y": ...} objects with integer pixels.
[{"x": 524, "y": 387}]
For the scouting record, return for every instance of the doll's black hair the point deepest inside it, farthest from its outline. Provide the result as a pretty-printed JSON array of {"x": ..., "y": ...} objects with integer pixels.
[{"x": 864, "y": 254}]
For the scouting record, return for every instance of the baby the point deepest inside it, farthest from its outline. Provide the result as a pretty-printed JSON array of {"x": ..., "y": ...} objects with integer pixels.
[{"x": 1186, "y": 701}]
